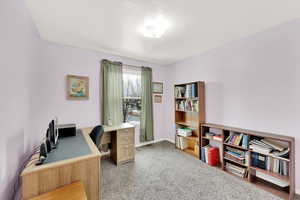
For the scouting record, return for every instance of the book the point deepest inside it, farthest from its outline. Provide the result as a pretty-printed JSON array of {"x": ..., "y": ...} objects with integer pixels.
[
  {"x": 210, "y": 155},
  {"x": 272, "y": 179},
  {"x": 217, "y": 137},
  {"x": 245, "y": 141},
  {"x": 181, "y": 143},
  {"x": 283, "y": 154},
  {"x": 184, "y": 132},
  {"x": 273, "y": 144},
  {"x": 271, "y": 164},
  {"x": 239, "y": 171}
]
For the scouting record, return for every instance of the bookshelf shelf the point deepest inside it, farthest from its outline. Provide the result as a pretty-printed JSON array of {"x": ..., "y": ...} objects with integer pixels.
[
  {"x": 187, "y": 124},
  {"x": 190, "y": 151},
  {"x": 228, "y": 172},
  {"x": 228, "y": 159},
  {"x": 284, "y": 186},
  {"x": 206, "y": 138},
  {"x": 236, "y": 146},
  {"x": 189, "y": 114},
  {"x": 194, "y": 138},
  {"x": 271, "y": 188},
  {"x": 275, "y": 175},
  {"x": 186, "y": 111},
  {"x": 186, "y": 98}
]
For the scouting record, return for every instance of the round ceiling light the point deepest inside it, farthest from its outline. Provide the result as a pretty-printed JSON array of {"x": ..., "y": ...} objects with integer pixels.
[{"x": 155, "y": 27}]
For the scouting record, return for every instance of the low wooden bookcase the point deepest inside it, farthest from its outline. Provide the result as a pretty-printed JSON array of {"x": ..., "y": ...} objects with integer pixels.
[
  {"x": 252, "y": 172},
  {"x": 189, "y": 113}
]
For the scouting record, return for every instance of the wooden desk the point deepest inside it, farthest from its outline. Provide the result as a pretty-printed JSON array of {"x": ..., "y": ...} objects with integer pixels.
[
  {"x": 38, "y": 180},
  {"x": 122, "y": 140},
  {"x": 74, "y": 191}
]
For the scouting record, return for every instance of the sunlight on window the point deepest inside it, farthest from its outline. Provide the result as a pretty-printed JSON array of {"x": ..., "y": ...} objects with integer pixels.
[{"x": 132, "y": 97}]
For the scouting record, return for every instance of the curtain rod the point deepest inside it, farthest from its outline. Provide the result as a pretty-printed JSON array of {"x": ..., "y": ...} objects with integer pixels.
[{"x": 139, "y": 67}]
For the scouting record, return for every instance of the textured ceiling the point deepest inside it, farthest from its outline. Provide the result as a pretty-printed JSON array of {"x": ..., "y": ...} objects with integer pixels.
[{"x": 113, "y": 26}]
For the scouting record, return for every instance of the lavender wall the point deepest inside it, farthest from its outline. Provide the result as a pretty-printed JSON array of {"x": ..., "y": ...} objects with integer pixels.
[
  {"x": 33, "y": 89},
  {"x": 57, "y": 62},
  {"x": 19, "y": 57},
  {"x": 251, "y": 83}
]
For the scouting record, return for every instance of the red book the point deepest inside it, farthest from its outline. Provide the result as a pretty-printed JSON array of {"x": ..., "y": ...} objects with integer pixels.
[{"x": 213, "y": 156}]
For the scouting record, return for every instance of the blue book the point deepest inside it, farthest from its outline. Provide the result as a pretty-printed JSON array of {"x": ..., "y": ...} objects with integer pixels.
[
  {"x": 193, "y": 90},
  {"x": 203, "y": 154},
  {"x": 245, "y": 141}
]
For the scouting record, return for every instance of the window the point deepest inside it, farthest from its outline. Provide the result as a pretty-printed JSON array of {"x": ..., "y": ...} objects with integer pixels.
[{"x": 132, "y": 95}]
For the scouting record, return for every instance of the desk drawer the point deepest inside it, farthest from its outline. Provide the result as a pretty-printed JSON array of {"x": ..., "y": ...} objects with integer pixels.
[
  {"x": 126, "y": 137},
  {"x": 126, "y": 153}
]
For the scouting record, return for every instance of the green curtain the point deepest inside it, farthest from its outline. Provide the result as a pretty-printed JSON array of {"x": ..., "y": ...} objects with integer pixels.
[
  {"x": 112, "y": 92},
  {"x": 147, "y": 106}
]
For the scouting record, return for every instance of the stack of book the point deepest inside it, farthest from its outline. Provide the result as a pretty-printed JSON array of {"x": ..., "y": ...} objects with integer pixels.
[
  {"x": 269, "y": 163},
  {"x": 210, "y": 155},
  {"x": 236, "y": 155},
  {"x": 238, "y": 139},
  {"x": 191, "y": 90},
  {"x": 260, "y": 147},
  {"x": 239, "y": 171},
  {"x": 213, "y": 136},
  {"x": 267, "y": 146},
  {"x": 181, "y": 143},
  {"x": 184, "y": 131}
]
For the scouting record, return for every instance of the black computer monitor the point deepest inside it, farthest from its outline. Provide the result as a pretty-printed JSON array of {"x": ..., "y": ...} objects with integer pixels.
[{"x": 53, "y": 132}]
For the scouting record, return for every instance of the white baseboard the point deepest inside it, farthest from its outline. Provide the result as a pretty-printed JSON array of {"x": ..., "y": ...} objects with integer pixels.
[
  {"x": 297, "y": 191},
  {"x": 169, "y": 140},
  {"x": 153, "y": 142}
]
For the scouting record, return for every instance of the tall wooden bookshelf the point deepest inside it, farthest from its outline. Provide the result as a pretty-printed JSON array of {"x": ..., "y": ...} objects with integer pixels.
[
  {"x": 252, "y": 175},
  {"x": 190, "y": 113}
]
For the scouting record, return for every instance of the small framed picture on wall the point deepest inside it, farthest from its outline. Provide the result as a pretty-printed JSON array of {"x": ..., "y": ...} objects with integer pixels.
[
  {"x": 157, "y": 98},
  {"x": 77, "y": 87},
  {"x": 157, "y": 88}
]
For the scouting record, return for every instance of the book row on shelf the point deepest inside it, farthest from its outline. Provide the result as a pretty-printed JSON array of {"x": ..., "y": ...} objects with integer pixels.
[
  {"x": 239, "y": 171},
  {"x": 210, "y": 155},
  {"x": 187, "y": 91},
  {"x": 181, "y": 143},
  {"x": 268, "y": 163},
  {"x": 187, "y": 105},
  {"x": 238, "y": 139},
  {"x": 237, "y": 155}
]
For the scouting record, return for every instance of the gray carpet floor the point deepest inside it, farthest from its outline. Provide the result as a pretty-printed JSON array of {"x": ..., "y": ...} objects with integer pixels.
[{"x": 160, "y": 172}]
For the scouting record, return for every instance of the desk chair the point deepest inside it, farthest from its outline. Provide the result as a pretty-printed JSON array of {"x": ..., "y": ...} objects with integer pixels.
[{"x": 96, "y": 135}]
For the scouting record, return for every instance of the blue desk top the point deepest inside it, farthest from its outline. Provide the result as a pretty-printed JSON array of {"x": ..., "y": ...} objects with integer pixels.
[{"x": 68, "y": 148}]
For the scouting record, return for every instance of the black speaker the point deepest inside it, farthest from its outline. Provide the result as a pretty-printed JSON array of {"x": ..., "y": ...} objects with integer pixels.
[
  {"x": 48, "y": 145},
  {"x": 43, "y": 154},
  {"x": 66, "y": 130}
]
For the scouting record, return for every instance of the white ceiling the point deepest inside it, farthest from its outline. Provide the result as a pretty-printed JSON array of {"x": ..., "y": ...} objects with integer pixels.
[{"x": 113, "y": 26}]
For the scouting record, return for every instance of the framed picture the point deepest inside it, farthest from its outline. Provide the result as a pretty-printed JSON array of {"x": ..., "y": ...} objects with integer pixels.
[
  {"x": 77, "y": 87},
  {"x": 157, "y": 98},
  {"x": 157, "y": 87}
]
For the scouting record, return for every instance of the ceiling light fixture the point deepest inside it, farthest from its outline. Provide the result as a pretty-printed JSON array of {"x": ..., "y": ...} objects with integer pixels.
[{"x": 155, "y": 27}]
